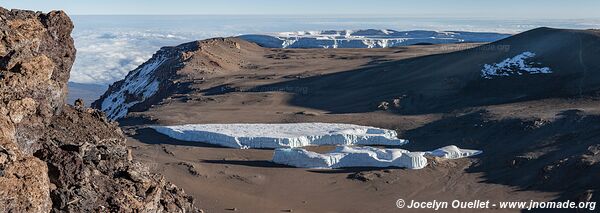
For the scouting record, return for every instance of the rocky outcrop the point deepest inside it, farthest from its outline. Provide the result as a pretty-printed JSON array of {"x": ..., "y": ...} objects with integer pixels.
[
  {"x": 91, "y": 169},
  {"x": 54, "y": 157},
  {"x": 36, "y": 54}
]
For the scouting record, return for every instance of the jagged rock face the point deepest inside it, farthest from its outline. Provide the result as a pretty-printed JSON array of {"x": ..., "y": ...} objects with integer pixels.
[
  {"x": 23, "y": 179},
  {"x": 91, "y": 169},
  {"x": 36, "y": 54},
  {"x": 55, "y": 158}
]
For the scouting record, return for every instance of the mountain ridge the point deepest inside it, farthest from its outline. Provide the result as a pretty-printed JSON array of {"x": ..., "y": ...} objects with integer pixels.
[
  {"x": 171, "y": 60},
  {"x": 447, "y": 63}
]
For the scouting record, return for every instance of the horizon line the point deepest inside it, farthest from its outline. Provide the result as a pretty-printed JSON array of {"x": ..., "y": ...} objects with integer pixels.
[{"x": 350, "y": 14}]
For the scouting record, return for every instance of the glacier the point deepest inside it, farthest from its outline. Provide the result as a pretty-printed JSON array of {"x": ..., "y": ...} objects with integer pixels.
[
  {"x": 351, "y": 143},
  {"x": 517, "y": 65},
  {"x": 348, "y": 156},
  {"x": 245, "y": 136},
  {"x": 369, "y": 38}
]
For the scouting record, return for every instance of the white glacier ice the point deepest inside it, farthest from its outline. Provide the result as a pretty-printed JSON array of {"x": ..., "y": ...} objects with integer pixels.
[
  {"x": 287, "y": 139},
  {"x": 516, "y": 65},
  {"x": 453, "y": 152},
  {"x": 347, "y": 156},
  {"x": 246, "y": 136}
]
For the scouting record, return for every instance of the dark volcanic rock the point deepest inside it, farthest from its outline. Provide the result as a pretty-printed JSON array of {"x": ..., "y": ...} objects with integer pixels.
[
  {"x": 92, "y": 170},
  {"x": 365, "y": 176},
  {"x": 57, "y": 158},
  {"x": 36, "y": 54}
]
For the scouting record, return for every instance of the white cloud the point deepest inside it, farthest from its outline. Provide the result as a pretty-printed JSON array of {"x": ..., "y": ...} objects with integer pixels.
[{"x": 105, "y": 57}]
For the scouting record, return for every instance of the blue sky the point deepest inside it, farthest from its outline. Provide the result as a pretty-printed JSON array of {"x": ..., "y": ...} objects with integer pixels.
[{"x": 498, "y": 9}]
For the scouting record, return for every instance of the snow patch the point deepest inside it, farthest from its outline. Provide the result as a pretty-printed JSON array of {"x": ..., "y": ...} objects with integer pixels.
[
  {"x": 517, "y": 65},
  {"x": 136, "y": 88},
  {"x": 347, "y": 156},
  {"x": 453, "y": 152},
  {"x": 244, "y": 136}
]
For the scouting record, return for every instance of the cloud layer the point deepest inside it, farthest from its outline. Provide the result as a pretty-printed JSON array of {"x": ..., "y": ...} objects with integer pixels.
[
  {"x": 104, "y": 57},
  {"x": 108, "y": 47}
]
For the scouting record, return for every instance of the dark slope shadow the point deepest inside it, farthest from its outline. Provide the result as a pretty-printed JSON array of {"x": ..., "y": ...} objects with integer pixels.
[
  {"x": 150, "y": 136},
  {"x": 351, "y": 170},
  {"x": 250, "y": 163},
  {"x": 135, "y": 121},
  {"x": 269, "y": 164},
  {"x": 423, "y": 90},
  {"x": 445, "y": 82},
  {"x": 523, "y": 153}
]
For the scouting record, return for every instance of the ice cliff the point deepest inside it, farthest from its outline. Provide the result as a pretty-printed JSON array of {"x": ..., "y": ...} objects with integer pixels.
[
  {"x": 348, "y": 156},
  {"x": 246, "y": 136}
]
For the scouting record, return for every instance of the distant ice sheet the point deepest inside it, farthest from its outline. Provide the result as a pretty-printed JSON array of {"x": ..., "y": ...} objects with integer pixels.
[
  {"x": 369, "y": 38},
  {"x": 347, "y": 156},
  {"x": 246, "y": 136}
]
